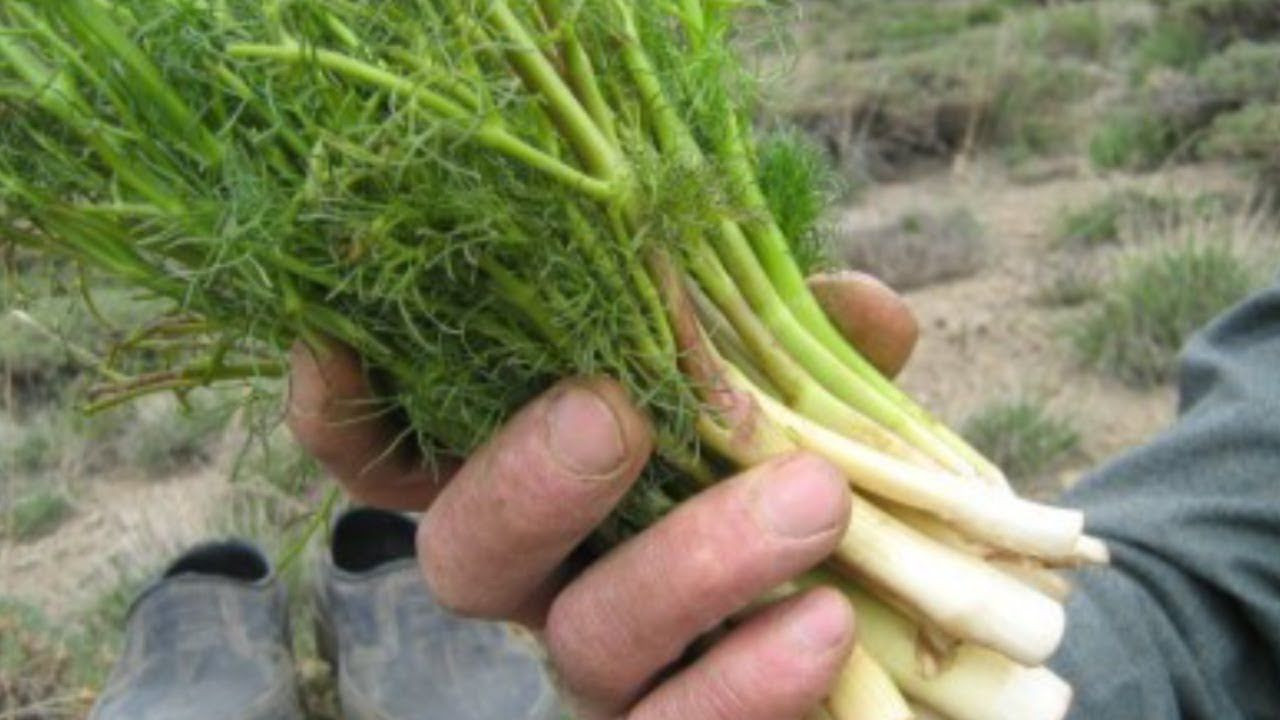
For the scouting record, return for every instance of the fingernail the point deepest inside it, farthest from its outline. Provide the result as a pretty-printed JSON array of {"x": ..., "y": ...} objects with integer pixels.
[
  {"x": 585, "y": 436},
  {"x": 803, "y": 497},
  {"x": 820, "y": 622}
]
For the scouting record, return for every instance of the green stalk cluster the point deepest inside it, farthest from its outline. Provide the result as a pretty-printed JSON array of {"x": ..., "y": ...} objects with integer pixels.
[{"x": 483, "y": 196}]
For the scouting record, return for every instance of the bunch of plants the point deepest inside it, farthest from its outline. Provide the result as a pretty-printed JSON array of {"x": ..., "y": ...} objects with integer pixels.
[{"x": 483, "y": 196}]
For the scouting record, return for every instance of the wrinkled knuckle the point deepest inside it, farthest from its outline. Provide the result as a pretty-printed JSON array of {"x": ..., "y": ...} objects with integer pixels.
[
  {"x": 448, "y": 591},
  {"x": 722, "y": 699},
  {"x": 706, "y": 569},
  {"x": 573, "y": 637},
  {"x": 541, "y": 499},
  {"x": 537, "y": 501}
]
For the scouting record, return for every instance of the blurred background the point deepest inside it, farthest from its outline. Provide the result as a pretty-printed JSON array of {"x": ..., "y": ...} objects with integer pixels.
[{"x": 1063, "y": 191}]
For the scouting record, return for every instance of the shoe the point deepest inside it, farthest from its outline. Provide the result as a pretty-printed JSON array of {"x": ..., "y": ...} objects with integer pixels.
[
  {"x": 208, "y": 640},
  {"x": 397, "y": 654}
]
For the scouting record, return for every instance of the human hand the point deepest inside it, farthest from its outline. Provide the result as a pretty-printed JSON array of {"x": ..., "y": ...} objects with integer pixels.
[{"x": 501, "y": 525}]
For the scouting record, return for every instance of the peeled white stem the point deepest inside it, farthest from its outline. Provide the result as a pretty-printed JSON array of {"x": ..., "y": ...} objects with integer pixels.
[
  {"x": 959, "y": 594},
  {"x": 985, "y": 514},
  {"x": 1046, "y": 581},
  {"x": 864, "y": 691},
  {"x": 1030, "y": 571},
  {"x": 1090, "y": 550},
  {"x": 977, "y": 684}
]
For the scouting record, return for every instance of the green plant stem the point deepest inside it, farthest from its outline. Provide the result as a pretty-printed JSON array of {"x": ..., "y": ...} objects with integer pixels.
[
  {"x": 773, "y": 253},
  {"x": 575, "y": 123},
  {"x": 94, "y": 27},
  {"x": 670, "y": 131},
  {"x": 485, "y": 132},
  {"x": 754, "y": 285},
  {"x": 581, "y": 71},
  {"x": 199, "y": 375},
  {"x": 461, "y": 92},
  {"x": 797, "y": 388},
  {"x": 318, "y": 521},
  {"x": 57, "y": 94}
]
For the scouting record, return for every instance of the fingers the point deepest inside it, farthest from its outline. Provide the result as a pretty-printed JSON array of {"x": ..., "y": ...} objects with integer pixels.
[
  {"x": 634, "y": 612},
  {"x": 778, "y": 666},
  {"x": 491, "y": 544},
  {"x": 334, "y": 415},
  {"x": 871, "y": 316}
]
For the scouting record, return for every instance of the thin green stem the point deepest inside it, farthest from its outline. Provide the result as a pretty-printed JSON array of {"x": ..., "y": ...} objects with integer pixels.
[
  {"x": 672, "y": 134},
  {"x": 461, "y": 92},
  {"x": 773, "y": 253},
  {"x": 199, "y": 375},
  {"x": 94, "y": 27},
  {"x": 580, "y": 70},
  {"x": 734, "y": 250},
  {"x": 318, "y": 520},
  {"x": 56, "y": 92},
  {"x": 795, "y": 386},
  {"x": 599, "y": 155},
  {"x": 484, "y": 132}
]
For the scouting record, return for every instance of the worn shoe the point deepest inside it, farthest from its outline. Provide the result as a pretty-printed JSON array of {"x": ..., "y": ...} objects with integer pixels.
[
  {"x": 398, "y": 655},
  {"x": 208, "y": 640}
]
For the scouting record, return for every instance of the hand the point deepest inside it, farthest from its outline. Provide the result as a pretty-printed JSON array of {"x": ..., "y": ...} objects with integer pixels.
[{"x": 500, "y": 527}]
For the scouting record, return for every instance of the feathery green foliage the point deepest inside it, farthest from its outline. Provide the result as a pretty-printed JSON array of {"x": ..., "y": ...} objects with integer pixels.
[{"x": 378, "y": 174}]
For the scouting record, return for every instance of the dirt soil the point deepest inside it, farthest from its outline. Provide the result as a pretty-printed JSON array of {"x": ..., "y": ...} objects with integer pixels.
[
  {"x": 988, "y": 337},
  {"x": 122, "y": 527}
]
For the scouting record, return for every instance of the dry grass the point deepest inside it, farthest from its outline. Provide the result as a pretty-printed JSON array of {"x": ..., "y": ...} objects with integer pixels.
[
  {"x": 1024, "y": 438},
  {"x": 920, "y": 248},
  {"x": 1185, "y": 270}
]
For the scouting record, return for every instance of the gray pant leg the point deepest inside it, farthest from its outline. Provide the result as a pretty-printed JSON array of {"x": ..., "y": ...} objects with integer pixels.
[{"x": 1186, "y": 621}]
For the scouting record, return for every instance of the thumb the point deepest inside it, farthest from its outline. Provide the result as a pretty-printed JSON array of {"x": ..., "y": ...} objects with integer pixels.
[{"x": 870, "y": 315}]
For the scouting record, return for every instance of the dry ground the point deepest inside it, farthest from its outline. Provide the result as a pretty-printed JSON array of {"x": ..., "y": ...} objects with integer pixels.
[
  {"x": 988, "y": 337},
  {"x": 121, "y": 527}
]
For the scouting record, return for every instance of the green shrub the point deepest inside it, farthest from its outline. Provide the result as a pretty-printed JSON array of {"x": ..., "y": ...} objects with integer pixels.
[
  {"x": 878, "y": 29},
  {"x": 1076, "y": 30},
  {"x": 168, "y": 436},
  {"x": 1133, "y": 139},
  {"x": 1101, "y": 222},
  {"x": 1172, "y": 43},
  {"x": 1252, "y": 133},
  {"x": 1029, "y": 109},
  {"x": 1095, "y": 224},
  {"x": 36, "y": 515},
  {"x": 1021, "y": 436},
  {"x": 918, "y": 249},
  {"x": 1222, "y": 21},
  {"x": 36, "y": 443},
  {"x": 1246, "y": 71},
  {"x": 42, "y": 658},
  {"x": 1068, "y": 286},
  {"x": 1157, "y": 301},
  {"x": 156, "y": 438}
]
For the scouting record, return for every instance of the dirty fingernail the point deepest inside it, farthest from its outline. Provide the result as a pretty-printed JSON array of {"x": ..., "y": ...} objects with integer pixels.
[
  {"x": 584, "y": 434},
  {"x": 821, "y": 622},
  {"x": 803, "y": 497}
]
